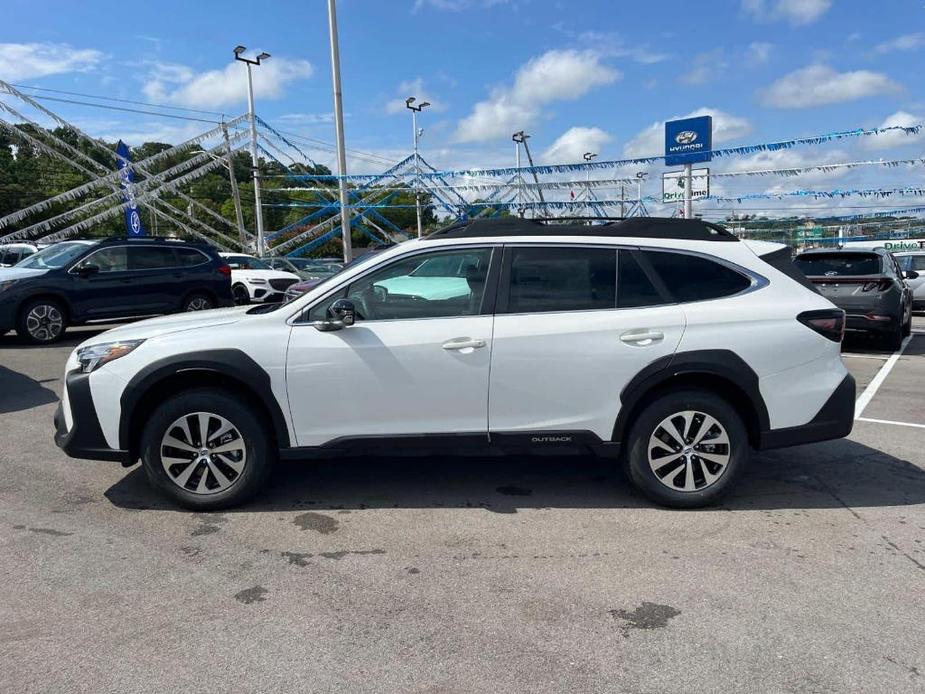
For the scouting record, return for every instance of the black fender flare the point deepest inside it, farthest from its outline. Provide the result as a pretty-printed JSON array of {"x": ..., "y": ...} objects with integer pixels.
[
  {"x": 719, "y": 363},
  {"x": 233, "y": 364}
]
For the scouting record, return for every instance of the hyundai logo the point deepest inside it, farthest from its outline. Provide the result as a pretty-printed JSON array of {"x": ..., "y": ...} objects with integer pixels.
[{"x": 686, "y": 137}]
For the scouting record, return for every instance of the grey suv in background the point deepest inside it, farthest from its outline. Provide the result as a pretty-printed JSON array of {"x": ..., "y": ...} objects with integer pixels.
[{"x": 868, "y": 284}]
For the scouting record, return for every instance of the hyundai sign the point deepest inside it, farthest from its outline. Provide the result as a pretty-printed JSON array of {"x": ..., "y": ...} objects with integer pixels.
[{"x": 688, "y": 141}]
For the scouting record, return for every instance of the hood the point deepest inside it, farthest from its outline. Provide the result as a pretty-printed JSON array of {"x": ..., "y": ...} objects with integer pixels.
[
  {"x": 164, "y": 325},
  {"x": 265, "y": 274},
  {"x": 19, "y": 273}
]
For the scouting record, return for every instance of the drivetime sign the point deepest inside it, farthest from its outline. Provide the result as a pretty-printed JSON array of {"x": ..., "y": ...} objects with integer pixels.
[{"x": 688, "y": 141}]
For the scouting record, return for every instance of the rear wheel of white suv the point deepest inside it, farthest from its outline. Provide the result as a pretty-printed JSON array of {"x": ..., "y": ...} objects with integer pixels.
[
  {"x": 206, "y": 449},
  {"x": 686, "y": 449}
]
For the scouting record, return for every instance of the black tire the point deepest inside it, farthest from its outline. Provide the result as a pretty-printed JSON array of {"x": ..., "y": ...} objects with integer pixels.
[
  {"x": 198, "y": 302},
  {"x": 41, "y": 321},
  {"x": 251, "y": 432},
  {"x": 241, "y": 296},
  {"x": 893, "y": 339},
  {"x": 647, "y": 425},
  {"x": 907, "y": 326}
]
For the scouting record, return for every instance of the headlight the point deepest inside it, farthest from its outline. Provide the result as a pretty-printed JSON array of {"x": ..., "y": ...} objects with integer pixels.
[
  {"x": 254, "y": 280},
  {"x": 93, "y": 357},
  {"x": 7, "y": 284}
]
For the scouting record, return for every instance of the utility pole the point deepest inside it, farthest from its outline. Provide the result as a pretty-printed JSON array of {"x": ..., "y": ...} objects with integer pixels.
[
  {"x": 255, "y": 161},
  {"x": 688, "y": 192},
  {"x": 235, "y": 194},
  {"x": 339, "y": 132},
  {"x": 415, "y": 110}
]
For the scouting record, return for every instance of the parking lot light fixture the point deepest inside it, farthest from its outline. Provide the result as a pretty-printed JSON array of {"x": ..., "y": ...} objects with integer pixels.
[
  {"x": 416, "y": 134},
  {"x": 252, "y": 117}
]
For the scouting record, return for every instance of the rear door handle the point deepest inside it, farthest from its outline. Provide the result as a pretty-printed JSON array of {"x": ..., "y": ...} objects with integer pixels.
[
  {"x": 641, "y": 338},
  {"x": 464, "y": 343}
]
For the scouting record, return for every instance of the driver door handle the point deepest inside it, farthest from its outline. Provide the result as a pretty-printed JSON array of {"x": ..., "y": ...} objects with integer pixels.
[
  {"x": 642, "y": 337},
  {"x": 464, "y": 343}
]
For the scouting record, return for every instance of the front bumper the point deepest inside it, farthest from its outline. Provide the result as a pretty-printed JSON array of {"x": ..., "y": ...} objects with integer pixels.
[
  {"x": 833, "y": 421},
  {"x": 85, "y": 438}
]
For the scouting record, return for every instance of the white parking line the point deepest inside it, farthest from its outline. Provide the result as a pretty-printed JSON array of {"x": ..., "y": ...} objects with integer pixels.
[
  {"x": 871, "y": 390},
  {"x": 865, "y": 356},
  {"x": 890, "y": 421}
]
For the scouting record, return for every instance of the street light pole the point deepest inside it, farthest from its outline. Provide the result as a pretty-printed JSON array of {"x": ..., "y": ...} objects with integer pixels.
[
  {"x": 640, "y": 177},
  {"x": 588, "y": 156},
  {"x": 339, "y": 132},
  {"x": 415, "y": 110},
  {"x": 255, "y": 161}
]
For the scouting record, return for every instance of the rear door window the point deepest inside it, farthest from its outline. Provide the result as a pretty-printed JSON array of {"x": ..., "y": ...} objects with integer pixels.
[
  {"x": 694, "y": 278},
  {"x": 151, "y": 258},
  {"x": 189, "y": 257},
  {"x": 634, "y": 288},
  {"x": 558, "y": 278}
]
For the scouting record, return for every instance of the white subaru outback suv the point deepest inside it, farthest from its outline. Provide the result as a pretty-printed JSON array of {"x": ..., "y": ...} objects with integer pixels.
[{"x": 668, "y": 343}]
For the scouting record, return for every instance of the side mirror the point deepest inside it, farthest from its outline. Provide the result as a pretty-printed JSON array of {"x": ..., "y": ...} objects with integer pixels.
[
  {"x": 911, "y": 275},
  {"x": 341, "y": 314},
  {"x": 85, "y": 271}
]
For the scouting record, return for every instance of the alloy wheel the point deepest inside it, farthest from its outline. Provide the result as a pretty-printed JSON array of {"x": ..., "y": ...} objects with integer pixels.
[
  {"x": 689, "y": 451},
  {"x": 44, "y": 322},
  {"x": 203, "y": 453},
  {"x": 198, "y": 303}
]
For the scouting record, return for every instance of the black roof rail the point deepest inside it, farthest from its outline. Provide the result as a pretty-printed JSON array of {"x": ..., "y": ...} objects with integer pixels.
[{"x": 639, "y": 227}]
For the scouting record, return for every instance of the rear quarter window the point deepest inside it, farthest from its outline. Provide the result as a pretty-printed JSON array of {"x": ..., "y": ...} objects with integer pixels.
[{"x": 694, "y": 278}]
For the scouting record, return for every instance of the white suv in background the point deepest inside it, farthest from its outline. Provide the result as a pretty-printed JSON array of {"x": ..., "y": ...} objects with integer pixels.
[
  {"x": 669, "y": 343},
  {"x": 914, "y": 261},
  {"x": 254, "y": 281}
]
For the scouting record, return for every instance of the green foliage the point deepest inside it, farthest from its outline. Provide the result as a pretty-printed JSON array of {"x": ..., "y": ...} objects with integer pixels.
[{"x": 29, "y": 175}]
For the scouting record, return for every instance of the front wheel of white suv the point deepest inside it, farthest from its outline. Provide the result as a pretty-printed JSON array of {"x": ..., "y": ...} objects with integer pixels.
[
  {"x": 206, "y": 449},
  {"x": 687, "y": 448}
]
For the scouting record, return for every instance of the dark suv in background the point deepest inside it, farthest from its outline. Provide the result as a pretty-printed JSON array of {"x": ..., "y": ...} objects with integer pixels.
[
  {"x": 75, "y": 282},
  {"x": 868, "y": 284}
]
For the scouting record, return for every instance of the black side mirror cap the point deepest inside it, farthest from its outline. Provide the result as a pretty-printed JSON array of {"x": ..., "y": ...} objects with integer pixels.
[
  {"x": 911, "y": 275},
  {"x": 88, "y": 271}
]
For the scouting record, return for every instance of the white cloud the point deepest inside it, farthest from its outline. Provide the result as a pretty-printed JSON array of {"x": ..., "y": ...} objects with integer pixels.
[
  {"x": 796, "y": 12},
  {"x": 759, "y": 53},
  {"x": 706, "y": 66},
  {"x": 20, "y": 61},
  {"x": 817, "y": 85},
  {"x": 651, "y": 141},
  {"x": 181, "y": 85},
  {"x": 557, "y": 75},
  {"x": 906, "y": 42},
  {"x": 613, "y": 45},
  {"x": 455, "y": 5},
  {"x": 574, "y": 142},
  {"x": 896, "y": 138},
  {"x": 417, "y": 89}
]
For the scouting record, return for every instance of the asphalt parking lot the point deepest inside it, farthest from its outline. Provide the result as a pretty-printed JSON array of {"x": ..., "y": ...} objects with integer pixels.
[{"x": 461, "y": 575}]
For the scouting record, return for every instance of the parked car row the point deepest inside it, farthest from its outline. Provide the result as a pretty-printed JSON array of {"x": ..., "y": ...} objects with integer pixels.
[{"x": 82, "y": 281}]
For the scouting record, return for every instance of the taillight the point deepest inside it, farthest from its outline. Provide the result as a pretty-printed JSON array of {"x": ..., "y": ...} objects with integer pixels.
[
  {"x": 828, "y": 322},
  {"x": 878, "y": 285},
  {"x": 225, "y": 270}
]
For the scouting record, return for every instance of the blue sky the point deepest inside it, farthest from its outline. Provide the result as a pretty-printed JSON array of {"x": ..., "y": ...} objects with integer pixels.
[{"x": 578, "y": 76}]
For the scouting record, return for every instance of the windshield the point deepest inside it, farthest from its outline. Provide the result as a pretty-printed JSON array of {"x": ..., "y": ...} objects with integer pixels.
[
  {"x": 54, "y": 257},
  {"x": 246, "y": 262},
  {"x": 838, "y": 264}
]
